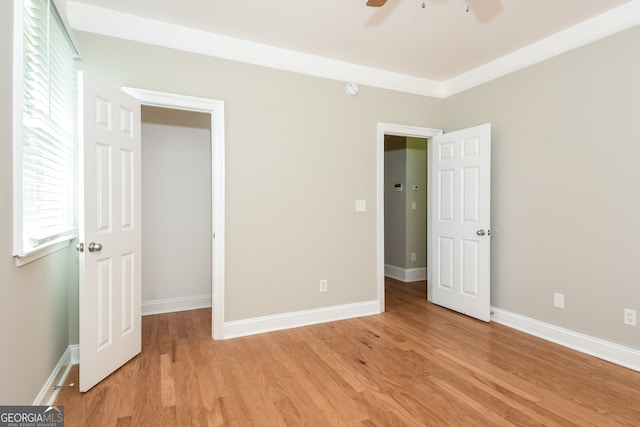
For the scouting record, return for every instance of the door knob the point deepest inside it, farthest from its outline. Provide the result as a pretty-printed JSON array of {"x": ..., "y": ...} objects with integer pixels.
[
  {"x": 95, "y": 247},
  {"x": 479, "y": 233},
  {"x": 80, "y": 247}
]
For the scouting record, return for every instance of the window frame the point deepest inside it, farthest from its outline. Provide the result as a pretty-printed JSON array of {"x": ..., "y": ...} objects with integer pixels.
[{"x": 21, "y": 255}]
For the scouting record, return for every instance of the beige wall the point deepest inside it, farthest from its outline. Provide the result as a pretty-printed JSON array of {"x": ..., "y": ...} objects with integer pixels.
[
  {"x": 299, "y": 153},
  {"x": 565, "y": 174},
  {"x": 416, "y": 218},
  {"x": 405, "y": 229},
  {"x": 395, "y": 218},
  {"x": 176, "y": 204},
  {"x": 34, "y": 305}
]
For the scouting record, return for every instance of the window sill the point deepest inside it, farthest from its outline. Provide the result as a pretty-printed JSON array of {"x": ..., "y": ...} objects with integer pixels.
[{"x": 42, "y": 252}]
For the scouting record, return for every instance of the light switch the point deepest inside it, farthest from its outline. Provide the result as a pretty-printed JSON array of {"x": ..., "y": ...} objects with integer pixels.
[
  {"x": 413, "y": 205},
  {"x": 361, "y": 205}
]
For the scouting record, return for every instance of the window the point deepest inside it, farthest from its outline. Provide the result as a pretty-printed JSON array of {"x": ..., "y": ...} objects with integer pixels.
[{"x": 44, "y": 130}]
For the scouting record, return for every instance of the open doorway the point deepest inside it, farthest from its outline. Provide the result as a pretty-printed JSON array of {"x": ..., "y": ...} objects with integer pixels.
[
  {"x": 176, "y": 210},
  {"x": 387, "y": 130},
  {"x": 215, "y": 109},
  {"x": 405, "y": 208}
]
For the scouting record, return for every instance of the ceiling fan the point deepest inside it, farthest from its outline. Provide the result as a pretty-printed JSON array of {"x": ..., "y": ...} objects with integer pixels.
[
  {"x": 376, "y": 3},
  {"x": 380, "y": 3}
]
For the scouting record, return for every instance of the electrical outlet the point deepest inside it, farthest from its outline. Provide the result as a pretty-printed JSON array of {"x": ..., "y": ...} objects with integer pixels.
[
  {"x": 629, "y": 317},
  {"x": 558, "y": 300},
  {"x": 323, "y": 286},
  {"x": 413, "y": 256}
]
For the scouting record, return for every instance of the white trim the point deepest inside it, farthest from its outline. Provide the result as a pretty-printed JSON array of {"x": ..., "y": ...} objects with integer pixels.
[
  {"x": 394, "y": 272},
  {"x": 42, "y": 251},
  {"x": 75, "y": 354},
  {"x": 49, "y": 391},
  {"x": 599, "y": 27},
  {"x": 18, "y": 113},
  {"x": 62, "y": 13},
  {"x": 401, "y": 130},
  {"x": 405, "y": 274},
  {"x": 258, "y": 325},
  {"x": 611, "y": 352},
  {"x": 171, "y": 305},
  {"x": 416, "y": 274},
  {"x": 107, "y": 22},
  {"x": 116, "y": 24},
  {"x": 216, "y": 109}
]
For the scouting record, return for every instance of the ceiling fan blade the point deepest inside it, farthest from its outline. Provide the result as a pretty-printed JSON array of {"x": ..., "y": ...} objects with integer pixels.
[{"x": 376, "y": 3}]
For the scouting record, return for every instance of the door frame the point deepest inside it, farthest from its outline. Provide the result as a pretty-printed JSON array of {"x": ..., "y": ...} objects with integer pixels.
[
  {"x": 216, "y": 109},
  {"x": 398, "y": 130}
]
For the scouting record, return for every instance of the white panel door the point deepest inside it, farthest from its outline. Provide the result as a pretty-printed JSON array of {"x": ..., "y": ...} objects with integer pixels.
[
  {"x": 460, "y": 211},
  {"x": 109, "y": 230}
]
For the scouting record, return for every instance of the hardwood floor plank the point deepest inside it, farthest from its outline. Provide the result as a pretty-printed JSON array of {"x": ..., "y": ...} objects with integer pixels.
[
  {"x": 169, "y": 417},
  {"x": 417, "y": 364},
  {"x": 124, "y": 422},
  {"x": 167, "y": 391}
]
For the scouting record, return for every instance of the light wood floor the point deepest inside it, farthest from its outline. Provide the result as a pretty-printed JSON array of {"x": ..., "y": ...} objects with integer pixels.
[{"x": 415, "y": 365}]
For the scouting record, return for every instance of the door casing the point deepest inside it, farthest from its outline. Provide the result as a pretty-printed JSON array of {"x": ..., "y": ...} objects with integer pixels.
[
  {"x": 399, "y": 130},
  {"x": 216, "y": 109}
]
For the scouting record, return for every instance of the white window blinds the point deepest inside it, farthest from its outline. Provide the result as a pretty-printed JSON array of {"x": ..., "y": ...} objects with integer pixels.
[{"x": 45, "y": 138}]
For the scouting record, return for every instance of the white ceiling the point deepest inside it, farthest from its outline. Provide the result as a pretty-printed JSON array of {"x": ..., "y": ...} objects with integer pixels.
[{"x": 438, "y": 42}]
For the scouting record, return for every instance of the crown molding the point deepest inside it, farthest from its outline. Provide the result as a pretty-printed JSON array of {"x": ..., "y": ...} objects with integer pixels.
[
  {"x": 125, "y": 26},
  {"x": 107, "y": 22},
  {"x": 599, "y": 27}
]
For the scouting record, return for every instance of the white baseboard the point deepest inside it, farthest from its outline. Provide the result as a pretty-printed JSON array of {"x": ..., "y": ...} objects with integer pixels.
[
  {"x": 405, "y": 274},
  {"x": 175, "y": 304},
  {"x": 258, "y": 325},
  {"x": 611, "y": 352},
  {"x": 49, "y": 391},
  {"x": 75, "y": 354}
]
